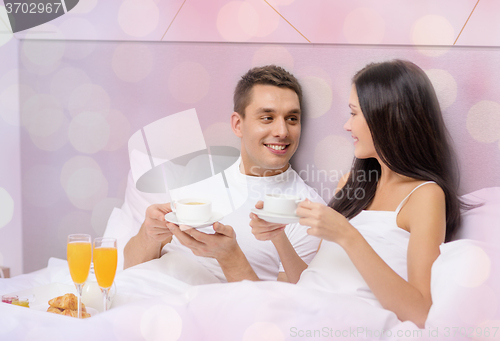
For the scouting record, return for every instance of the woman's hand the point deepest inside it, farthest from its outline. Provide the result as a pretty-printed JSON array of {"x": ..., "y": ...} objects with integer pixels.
[{"x": 325, "y": 222}]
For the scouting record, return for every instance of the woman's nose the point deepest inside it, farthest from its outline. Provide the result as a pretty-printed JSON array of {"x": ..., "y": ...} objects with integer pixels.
[{"x": 347, "y": 125}]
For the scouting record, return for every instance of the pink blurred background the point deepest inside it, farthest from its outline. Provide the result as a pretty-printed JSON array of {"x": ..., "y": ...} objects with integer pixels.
[{"x": 74, "y": 90}]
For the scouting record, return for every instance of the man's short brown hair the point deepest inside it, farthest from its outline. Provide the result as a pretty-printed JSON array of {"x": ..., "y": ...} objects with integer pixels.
[{"x": 265, "y": 75}]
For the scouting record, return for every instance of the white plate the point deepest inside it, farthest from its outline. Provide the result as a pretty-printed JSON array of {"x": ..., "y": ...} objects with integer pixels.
[
  {"x": 275, "y": 218},
  {"x": 172, "y": 218}
]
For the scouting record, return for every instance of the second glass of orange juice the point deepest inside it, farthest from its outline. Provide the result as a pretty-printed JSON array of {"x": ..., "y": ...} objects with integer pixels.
[{"x": 105, "y": 262}]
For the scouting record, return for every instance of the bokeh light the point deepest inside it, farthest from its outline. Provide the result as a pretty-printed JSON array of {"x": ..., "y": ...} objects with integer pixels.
[
  {"x": 55, "y": 141},
  {"x": 46, "y": 122},
  {"x": 42, "y": 115},
  {"x": 237, "y": 21},
  {"x": 477, "y": 265},
  {"x": 65, "y": 81},
  {"x": 83, "y": 182},
  {"x": 483, "y": 121},
  {"x": 445, "y": 86},
  {"x": 318, "y": 96},
  {"x": 138, "y": 18},
  {"x": 433, "y": 30},
  {"x": 132, "y": 62},
  {"x": 263, "y": 331},
  {"x": 335, "y": 161},
  {"x": 189, "y": 82},
  {"x": 78, "y": 29},
  {"x": 89, "y": 132},
  {"x": 221, "y": 134},
  {"x": 119, "y": 132},
  {"x": 267, "y": 20},
  {"x": 161, "y": 322},
  {"x": 82, "y": 30},
  {"x": 7, "y": 205},
  {"x": 89, "y": 97},
  {"x": 364, "y": 26},
  {"x": 277, "y": 55},
  {"x": 41, "y": 186},
  {"x": 36, "y": 51}
]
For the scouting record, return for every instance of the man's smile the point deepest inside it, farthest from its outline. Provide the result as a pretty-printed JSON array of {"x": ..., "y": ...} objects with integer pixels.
[{"x": 276, "y": 147}]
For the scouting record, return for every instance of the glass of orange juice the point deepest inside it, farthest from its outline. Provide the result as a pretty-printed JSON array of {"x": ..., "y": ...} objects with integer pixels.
[
  {"x": 105, "y": 262},
  {"x": 79, "y": 252}
]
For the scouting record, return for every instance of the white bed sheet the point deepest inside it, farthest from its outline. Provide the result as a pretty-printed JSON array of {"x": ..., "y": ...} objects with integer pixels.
[{"x": 152, "y": 305}]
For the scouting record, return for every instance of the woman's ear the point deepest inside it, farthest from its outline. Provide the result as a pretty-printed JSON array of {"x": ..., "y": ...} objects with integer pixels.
[{"x": 236, "y": 120}]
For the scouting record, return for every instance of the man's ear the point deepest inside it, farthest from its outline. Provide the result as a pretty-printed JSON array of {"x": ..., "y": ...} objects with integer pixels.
[{"x": 236, "y": 120}]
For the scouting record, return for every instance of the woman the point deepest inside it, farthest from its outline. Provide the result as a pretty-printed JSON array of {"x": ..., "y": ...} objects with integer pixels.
[{"x": 382, "y": 230}]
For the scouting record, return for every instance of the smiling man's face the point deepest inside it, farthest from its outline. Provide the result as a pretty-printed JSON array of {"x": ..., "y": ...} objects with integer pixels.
[{"x": 269, "y": 131}]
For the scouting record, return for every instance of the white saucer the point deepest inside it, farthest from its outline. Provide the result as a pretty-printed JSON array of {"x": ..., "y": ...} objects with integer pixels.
[
  {"x": 274, "y": 217},
  {"x": 172, "y": 218}
]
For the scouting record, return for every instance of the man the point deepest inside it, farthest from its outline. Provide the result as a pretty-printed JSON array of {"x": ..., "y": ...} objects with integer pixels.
[{"x": 267, "y": 118}]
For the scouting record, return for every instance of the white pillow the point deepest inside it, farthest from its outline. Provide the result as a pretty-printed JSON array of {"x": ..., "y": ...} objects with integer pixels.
[
  {"x": 464, "y": 286},
  {"x": 482, "y": 223},
  {"x": 465, "y": 277}
]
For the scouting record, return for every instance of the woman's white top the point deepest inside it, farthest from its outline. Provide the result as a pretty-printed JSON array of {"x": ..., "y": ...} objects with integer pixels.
[{"x": 332, "y": 270}]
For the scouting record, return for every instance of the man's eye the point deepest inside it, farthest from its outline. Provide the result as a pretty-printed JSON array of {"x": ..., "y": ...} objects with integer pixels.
[
  {"x": 267, "y": 118},
  {"x": 353, "y": 114},
  {"x": 293, "y": 119}
]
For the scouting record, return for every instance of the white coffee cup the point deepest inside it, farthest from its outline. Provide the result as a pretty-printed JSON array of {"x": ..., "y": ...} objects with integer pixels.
[
  {"x": 281, "y": 203},
  {"x": 192, "y": 210}
]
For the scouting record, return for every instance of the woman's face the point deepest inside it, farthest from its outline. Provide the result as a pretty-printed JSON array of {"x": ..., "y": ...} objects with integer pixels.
[{"x": 363, "y": 141}]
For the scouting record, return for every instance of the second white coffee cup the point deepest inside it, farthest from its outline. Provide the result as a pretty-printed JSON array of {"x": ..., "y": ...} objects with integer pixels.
[
  {"x": 281, "y": 203},
  {"x": 192, "y": 210}
]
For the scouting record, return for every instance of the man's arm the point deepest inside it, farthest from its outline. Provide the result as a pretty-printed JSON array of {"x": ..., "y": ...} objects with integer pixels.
[{"x": 150, "y": 239}]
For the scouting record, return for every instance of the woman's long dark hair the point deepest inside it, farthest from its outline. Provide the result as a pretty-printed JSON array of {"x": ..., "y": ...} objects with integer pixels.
[{"x": 403, "y": 114}]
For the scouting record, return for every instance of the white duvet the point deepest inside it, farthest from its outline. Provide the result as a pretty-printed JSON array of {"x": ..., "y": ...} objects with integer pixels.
[{"x": 151, "y": 305}]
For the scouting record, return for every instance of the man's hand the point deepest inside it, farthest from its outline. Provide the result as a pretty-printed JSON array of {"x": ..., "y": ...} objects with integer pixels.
[
  {"x": 264, "y": 230},
  {"x": 153, "y": 235},
  {"x": 220, "y": 245},
  {"x": 155, "y": 226}
]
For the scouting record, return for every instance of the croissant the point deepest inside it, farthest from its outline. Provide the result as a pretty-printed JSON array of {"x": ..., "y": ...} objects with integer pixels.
[
  {"x": 68, "y": 301},
  {"x": 54, "y": 310}
]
